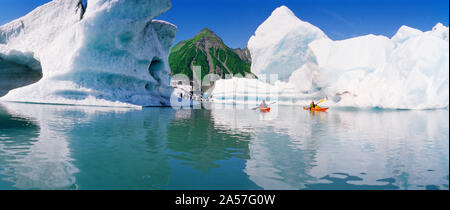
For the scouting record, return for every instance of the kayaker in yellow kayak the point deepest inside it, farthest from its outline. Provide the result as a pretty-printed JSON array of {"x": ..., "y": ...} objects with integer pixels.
[{"x": 313, "y": 105}]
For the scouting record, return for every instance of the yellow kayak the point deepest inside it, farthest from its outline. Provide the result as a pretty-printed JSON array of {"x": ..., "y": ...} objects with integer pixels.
[{"x": 319, "y": 109}]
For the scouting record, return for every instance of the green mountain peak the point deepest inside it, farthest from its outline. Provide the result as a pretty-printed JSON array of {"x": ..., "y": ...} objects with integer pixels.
[
  {"x": 207, "y": 50},
  {"x": 206, "y": 30}
]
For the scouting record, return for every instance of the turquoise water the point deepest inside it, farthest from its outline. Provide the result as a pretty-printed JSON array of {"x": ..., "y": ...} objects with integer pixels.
[{"x": 70, "y": 147}]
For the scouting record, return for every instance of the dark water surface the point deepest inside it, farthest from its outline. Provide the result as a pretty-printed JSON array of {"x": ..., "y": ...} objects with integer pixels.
[{"x": 69, "y": 147}]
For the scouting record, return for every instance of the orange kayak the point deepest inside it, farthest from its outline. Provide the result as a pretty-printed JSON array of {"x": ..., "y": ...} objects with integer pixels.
[
  {"x": 319, "y": 109},
  {"x": 266, "y": 109}
]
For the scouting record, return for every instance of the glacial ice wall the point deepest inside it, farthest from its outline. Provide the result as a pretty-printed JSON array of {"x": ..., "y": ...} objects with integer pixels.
[
  {"x": 116, "y": 55},
  {"x": 407, "y": 71}
]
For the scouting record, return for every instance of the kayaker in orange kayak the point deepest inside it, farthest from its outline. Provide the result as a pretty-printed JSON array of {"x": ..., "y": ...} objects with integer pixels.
[
  {"x": 312, "y": 105},
  {"x": 263, "y": 104}
]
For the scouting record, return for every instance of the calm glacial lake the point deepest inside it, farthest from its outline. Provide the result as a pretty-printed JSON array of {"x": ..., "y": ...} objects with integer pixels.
[{"x": 70, "y": 147}]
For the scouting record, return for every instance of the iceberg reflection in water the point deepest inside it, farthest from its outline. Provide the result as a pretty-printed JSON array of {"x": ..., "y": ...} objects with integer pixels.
[
  {"x": 34, "y": 155},
  {"x": 344, "y": 149},
  {"x": 73, "y": 147}
]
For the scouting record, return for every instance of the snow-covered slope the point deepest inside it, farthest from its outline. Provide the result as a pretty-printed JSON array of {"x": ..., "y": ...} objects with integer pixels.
[
  {"x": 408, "y": 71},
  {"x": 116, "y": 55}
]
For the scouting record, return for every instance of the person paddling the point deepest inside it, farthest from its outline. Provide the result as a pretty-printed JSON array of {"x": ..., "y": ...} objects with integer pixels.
[
  {"x": 315, "y": 107},
  {"x": 263, "y": 104},
  {"x": 312, "y": 105}
]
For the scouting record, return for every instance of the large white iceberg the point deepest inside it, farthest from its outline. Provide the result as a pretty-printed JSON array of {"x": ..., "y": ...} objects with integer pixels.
[
  {"x": 280, "y": 44},
  {"x": 407, "y": 71},
  {"x": 114, "y": 54}
]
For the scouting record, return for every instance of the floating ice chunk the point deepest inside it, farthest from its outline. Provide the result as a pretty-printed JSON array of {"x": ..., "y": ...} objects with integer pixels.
[{"x": 116, "y": 54}]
